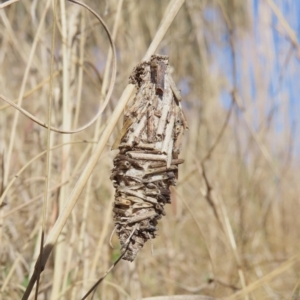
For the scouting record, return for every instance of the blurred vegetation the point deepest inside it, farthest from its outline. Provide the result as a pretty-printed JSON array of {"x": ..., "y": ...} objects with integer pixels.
[{"x": 233, "y": 222}]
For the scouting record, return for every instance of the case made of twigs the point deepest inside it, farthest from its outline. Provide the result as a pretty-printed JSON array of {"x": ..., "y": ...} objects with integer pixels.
[{"x": 147, "y": 163}]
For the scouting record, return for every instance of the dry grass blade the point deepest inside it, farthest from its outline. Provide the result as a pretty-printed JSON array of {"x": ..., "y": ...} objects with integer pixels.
[
  {"x": 48, "y": 155},
  {"x": 291, "y": 33},
  {"x": 96, "y": 136},
  {"x": 87, "y": 201},
  {"x": 173, "y": 9},
  {"x": 265, "y": 279},
  {"x": 94, "y": 287}
]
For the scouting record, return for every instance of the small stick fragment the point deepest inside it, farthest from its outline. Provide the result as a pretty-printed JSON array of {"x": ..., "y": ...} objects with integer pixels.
[
  {"x": 131, "y": 234},
  {"x": 162, "y": 121},
  {"x": 138, "y": 130},
  {"x": 168, "y": 134},
  {"x": 146, "y": 156},
  {"x": 141, "y": 205},
  {"x": 111, "y": 236},
  {"x": 152, "y": 192},
  {"x": 133, "y": 187},
  {"x": 146, "y": 146},
  {"x": 139, "y": 195},
  {"x": 158, "y": 69},
  {"x": 174, "y": 88},
  {"x": 132, "y": 111},
  {"x": 169, "y": 154},
  {"x": 134, "y": 178},
  {"x": 141, "y": 217},
  {"x": 150, "y": 125},
  {"x": 178, "y": 141},
  {"x": 160, "y": 170},
  {"x": 158, "y": 164},
  {"x": 135, "y": 199},
  {"x": 123, "y": 132},
  {"x": 123, "y": 202},
  {"x": 184, "y": 121},
  {"x": 156, "y": 178},
  {"x": 133, "y": 162},
  {"x": 167, "y": 100}
]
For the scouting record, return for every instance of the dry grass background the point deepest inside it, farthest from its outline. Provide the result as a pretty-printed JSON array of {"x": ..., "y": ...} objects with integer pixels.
[{"x": 231, "y": 230}]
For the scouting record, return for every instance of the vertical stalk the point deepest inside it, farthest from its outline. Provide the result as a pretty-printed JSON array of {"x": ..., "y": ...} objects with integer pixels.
[{"x": 59, "y": 258}]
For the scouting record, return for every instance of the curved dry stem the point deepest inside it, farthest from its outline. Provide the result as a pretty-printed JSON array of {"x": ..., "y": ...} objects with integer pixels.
[
  {"x": 108, "y": 95},
  {"x": 7, "y": 3},
  {"x": 94, "y": 287}
]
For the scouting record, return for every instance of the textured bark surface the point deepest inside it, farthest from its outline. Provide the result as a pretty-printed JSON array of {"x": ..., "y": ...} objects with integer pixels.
[{"x": 147, "y": 163}]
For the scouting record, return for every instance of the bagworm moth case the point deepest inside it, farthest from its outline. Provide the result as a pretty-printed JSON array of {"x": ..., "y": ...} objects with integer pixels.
[{"x": 147, "y": 163}]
